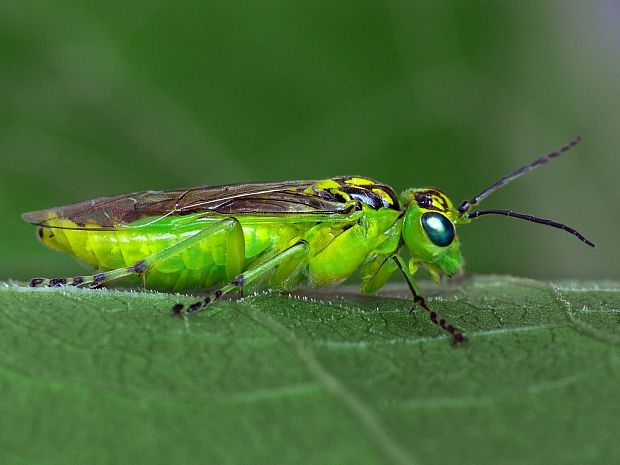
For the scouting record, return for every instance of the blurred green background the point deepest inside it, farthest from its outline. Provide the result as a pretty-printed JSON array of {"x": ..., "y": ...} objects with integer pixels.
[{"x": 99, "y": 98}]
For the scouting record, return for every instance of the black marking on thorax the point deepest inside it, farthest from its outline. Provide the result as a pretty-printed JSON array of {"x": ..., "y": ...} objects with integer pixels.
[{"x": 374, "y": 194}]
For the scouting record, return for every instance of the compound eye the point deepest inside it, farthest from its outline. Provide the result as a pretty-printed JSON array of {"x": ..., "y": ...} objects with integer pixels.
[{"x": 438, "y": 228}]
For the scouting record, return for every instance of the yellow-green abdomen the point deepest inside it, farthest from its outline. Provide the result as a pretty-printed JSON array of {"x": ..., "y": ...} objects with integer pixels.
[{"x": 201, "y": 265}]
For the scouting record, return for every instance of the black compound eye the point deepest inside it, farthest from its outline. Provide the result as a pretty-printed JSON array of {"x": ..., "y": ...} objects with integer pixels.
[{"x": 438, "y": 228}]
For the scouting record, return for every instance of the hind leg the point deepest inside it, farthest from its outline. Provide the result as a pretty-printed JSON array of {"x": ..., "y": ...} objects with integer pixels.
[
  {"x": 235, "y": 258},
  {"x": 286, "y": 260},
  {"x": 92, "y": 281}
]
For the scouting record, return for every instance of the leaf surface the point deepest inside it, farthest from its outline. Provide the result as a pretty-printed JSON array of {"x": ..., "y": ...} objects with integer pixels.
[{"x": 108, "y": 376}]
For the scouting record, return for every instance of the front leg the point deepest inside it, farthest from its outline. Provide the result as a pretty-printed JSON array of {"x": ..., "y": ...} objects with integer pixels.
[
  {"x": 378, "y": 270},
  {"x": 458, "y": 337}
]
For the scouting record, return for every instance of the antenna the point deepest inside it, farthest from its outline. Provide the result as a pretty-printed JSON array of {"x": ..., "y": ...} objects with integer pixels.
[
  {"x": 533, "y": 219},
  {"x": 468, "y": 204}
]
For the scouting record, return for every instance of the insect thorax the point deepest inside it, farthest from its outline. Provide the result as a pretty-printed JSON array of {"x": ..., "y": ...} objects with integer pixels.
[{"x": 355, "y": 188}]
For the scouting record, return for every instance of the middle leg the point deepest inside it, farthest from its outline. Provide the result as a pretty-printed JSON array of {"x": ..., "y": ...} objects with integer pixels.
[{"x": 295, "y": 253}]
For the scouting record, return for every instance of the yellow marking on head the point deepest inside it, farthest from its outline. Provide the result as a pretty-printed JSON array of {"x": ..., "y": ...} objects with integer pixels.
[
  {"x": 440, "y": 201},
  {"x": 430, "y": 199}
]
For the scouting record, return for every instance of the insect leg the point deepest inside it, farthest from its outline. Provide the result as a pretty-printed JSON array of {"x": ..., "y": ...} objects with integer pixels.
[
  {"x": 83, "y": 281},
  {"x": 235, "y": 248},
  {"x": 295, "y": 252},
  {"x": 376, "y": 272},
  {"x": 457, "y": 335},
  {"x": 235, "y": 256}
]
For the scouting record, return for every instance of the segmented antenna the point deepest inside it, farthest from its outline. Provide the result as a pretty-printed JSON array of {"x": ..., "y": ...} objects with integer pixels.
[
  {"x": 468, "y": 204},
  {"x": 533, "y": 219}
]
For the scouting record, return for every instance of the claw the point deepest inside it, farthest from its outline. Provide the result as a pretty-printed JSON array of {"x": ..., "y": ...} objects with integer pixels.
[
  {"x": 177, "y": 309},
  {"x": 36, "y": 282}
]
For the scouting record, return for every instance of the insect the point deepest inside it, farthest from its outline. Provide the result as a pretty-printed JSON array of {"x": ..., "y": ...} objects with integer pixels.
[{"x": 274, "y": 235}]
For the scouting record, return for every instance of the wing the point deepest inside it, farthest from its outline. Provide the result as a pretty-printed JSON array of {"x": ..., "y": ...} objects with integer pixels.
[{"x": 277, "y": 198}]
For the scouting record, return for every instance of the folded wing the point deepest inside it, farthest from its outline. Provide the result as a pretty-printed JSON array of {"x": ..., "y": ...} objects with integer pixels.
[{"x": 277, "y": 198}]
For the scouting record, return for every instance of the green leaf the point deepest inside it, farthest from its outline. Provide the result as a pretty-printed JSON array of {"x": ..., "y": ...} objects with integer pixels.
[{"x": 108, "y": 376}]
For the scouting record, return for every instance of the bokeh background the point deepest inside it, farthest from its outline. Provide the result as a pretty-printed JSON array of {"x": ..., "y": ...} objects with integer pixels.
[{"x": 99, "y": 98}]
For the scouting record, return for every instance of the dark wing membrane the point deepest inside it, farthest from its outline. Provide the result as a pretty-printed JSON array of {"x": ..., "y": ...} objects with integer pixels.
[{"x": 256, "y": 198}]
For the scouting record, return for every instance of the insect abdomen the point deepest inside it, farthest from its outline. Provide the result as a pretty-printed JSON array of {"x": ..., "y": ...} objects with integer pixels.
[{"x": 199, "y": 266}]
